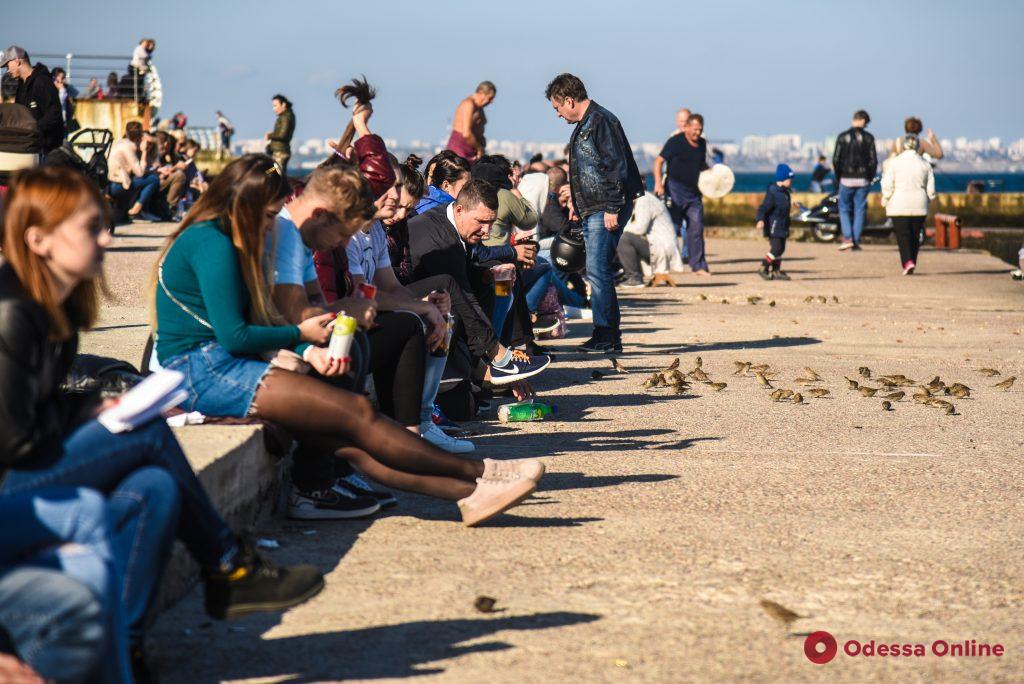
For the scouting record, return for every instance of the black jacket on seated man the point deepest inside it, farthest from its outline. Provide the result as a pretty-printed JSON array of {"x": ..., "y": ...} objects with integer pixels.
[
  {"x": 603, "y": 175},
  {"x": 436, "y": 249}
]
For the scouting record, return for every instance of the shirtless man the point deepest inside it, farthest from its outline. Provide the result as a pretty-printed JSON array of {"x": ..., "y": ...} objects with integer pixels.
[{"x": 467, "y": 139}]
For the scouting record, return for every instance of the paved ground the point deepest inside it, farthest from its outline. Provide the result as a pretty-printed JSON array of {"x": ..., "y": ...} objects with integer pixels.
[{"x": 665, "y": 519}]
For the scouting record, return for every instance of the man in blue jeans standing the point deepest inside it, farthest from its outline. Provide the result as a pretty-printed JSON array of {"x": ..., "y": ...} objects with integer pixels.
[
  {"x": 604, "y": 182},
  {"x": 855, "y": 162}
]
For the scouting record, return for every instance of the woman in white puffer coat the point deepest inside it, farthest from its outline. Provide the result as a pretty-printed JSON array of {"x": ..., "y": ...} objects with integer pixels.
[{"x": 908, "y": 185}]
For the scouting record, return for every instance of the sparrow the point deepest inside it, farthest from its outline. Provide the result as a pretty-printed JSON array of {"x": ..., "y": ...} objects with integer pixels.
[
  {"x": 805, "y": 381},
  {"x": 864, "y": 371},
  {"x": 780, "y": 612},
  {"x": 990, "y": 372},
  {"x": 888, "y": 382},
  {"x": 922, "y": 397},
  {"x": 618, "y": 366},
  {"x": 896, "y": 396},
  {"x": 1006, "y": 384},
  {"x": 959, "y": 391},
  {"x": 675, "y": 376},
  {"x": 717, "y": 386},
  {"x": 485, "y": 604},
  {"x": 596, "y": 375},
  {"x": 762, "y": 380},
  {"x": 818, "y": 393},
  {"x": 703, "y": 297},
  {"x": 808, "y": 299},
  {"x": 811, "y": 374},
  {"x": 652, "y": 381},
  {"x": 698, "y": 374},
  {"x": 760, "y": 367},
  {"x": 926, "y": 389},
  {"x": 680, "y": 388},
  {"x": 777, "y": 394},
  {"x": 950, "y": 410},
  {"x": 822, "y": 300},
  {"x": 698, "y": 363},
  {"x": 867, "y": 391},
  {"x": 754, "y": 299},
  {"x": 725, "y": 301},
  {"x": 742, "y": 369},
  {"x": 939, "y": 403},
  {"x": 672, "y": 366},
  {"x": 771, "y": 303},
  {"x": 798, "y": 398},
  {"x": 787, "y": 393},
  {"x": 886, "y": 406},
  {"x": 835, "y": 299},
  {"x": 852, "y": 384}
]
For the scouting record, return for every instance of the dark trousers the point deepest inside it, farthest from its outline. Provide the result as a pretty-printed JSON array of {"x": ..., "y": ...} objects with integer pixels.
[
  {"x": 908, "y": 236},
  {"x": 397, "y": 359},
  {"x": 480, "y": 336},
  {"x": 632, "y": 251},
  {"x": 690, "y": 204},
  {"x": 776, "y": 247}
]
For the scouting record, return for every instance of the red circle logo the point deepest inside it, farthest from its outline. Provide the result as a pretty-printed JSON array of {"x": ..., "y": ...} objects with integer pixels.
[{"x": 816, "y": 656}]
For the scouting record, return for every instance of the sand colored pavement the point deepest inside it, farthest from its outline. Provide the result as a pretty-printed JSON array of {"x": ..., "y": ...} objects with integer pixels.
[{"x": 665, "y": 519}]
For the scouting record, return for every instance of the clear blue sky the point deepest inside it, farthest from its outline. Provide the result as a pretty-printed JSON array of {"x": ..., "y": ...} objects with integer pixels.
[{"x": 748, "y": 66}]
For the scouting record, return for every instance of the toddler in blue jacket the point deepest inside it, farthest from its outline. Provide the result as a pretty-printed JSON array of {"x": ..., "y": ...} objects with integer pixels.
[{"x": 773, "y": 220}]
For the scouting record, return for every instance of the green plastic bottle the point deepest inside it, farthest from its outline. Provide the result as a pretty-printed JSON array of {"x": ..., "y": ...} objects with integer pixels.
[{"x": 524, "y": 411}]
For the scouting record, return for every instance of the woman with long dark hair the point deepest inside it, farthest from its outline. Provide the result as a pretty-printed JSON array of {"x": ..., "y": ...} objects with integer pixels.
[
  {"x": 54, "y": 235},
  {"x": 279, "y": 140},
  {"x": 215, "y": 318}
]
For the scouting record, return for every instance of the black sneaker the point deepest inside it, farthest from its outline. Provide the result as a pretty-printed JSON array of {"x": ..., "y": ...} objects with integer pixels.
[
  {"x": 632, "y": 284},
  {"x": 593, "y": 346},
  {"x": 256, "y": 585},
  {"x": 764, "y": 272},
  {"x": 521, "y": 366},
  {"x": 780, "y": 275},
  {"x": 329, "y": 504},
  {"x": 355, "y": 485}
]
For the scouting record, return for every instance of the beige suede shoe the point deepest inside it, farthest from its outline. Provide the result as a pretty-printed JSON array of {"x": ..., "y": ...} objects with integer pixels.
[
  {"x": 492, "y": 497},
  {"x": 515, "y": 469}
]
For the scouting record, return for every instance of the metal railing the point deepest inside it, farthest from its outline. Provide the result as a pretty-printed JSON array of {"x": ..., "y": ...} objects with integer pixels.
[{"x": 81, "y": 69}]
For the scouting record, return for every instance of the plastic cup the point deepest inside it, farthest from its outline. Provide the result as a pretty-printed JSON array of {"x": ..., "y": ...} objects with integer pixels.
[
  {"x": 502, "y": 280},
  {"x": 341, "y": 337},
  {"x": 367, "y": 291}
]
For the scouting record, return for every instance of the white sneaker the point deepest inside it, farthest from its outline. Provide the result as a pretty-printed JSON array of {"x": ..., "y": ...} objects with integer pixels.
[{"x": 436, "y": 436}]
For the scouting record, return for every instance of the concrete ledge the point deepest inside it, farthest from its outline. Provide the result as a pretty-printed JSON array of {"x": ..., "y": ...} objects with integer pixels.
[{"x": 242, "y": 479}]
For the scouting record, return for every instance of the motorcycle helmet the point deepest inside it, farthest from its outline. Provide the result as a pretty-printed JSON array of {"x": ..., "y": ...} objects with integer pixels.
[{"x": 568, "y": 250}]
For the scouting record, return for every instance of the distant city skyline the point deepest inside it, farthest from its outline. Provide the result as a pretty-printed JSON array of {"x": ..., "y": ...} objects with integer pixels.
[{"x": 748, "y": 66}]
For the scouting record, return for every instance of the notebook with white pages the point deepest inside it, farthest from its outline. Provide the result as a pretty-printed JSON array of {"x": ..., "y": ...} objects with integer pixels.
[{"x": 160, "y": 392}]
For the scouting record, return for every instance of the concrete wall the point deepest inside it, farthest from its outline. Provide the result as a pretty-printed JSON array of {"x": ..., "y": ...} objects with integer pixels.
[{"x": 994, "y": 209}]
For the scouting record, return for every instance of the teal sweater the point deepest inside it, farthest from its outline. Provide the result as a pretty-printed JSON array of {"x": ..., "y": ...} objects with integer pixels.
[{"x": 201, "y": 270}]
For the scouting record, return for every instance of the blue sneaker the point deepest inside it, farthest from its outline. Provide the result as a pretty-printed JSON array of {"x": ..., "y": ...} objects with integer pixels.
[{"x": 520, "y": 367}]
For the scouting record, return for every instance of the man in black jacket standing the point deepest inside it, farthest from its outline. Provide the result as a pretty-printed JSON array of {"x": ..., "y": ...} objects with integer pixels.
[
  {"x": 605, "y": 182},
  {"x": 854, "y": 162},
  {"x": 37, "y": 92}
]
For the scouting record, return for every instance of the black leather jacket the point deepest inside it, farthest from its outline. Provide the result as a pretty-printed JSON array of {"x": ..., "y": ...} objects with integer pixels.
[
  {"x": 35, "y": 416},
  {"x": 602, "y": 172},
  {"x": 855, "y": 155}
]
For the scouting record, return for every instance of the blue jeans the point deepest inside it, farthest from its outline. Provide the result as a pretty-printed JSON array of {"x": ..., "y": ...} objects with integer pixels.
[
  {"x": 853, "y": 209},
  {"x": 60, "y": 585},
  {"x": 601, "y": 244},
  {"x": 434, "y": 371},
  {"x": 561, "y": 282},
  {"x": 141, "y": 189},
  {"x": 135, "y": 469},
  {"x": 502, "y": 305},
  {"x": 690, "y": 207}
]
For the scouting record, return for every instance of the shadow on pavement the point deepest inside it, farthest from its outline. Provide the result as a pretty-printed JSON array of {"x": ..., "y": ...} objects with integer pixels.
[
  {"x": 388, "y": 651},
  {"x": 554, "y": 482},
  {"x": 694, "y": 347}
]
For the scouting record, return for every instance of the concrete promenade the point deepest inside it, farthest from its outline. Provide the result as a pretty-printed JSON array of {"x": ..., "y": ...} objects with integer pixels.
[{"x": 664, "y": 519}]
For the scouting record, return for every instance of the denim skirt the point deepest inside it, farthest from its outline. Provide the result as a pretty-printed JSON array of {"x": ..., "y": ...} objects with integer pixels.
[{"x": 219, "y": 383}]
